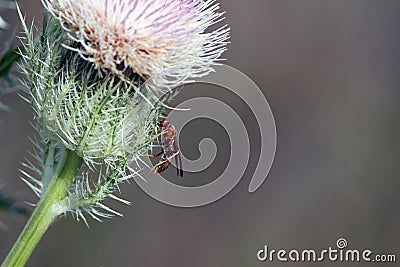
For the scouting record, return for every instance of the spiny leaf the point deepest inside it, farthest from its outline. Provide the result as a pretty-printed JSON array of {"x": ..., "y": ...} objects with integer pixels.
[{"x": 7, "y": 61}]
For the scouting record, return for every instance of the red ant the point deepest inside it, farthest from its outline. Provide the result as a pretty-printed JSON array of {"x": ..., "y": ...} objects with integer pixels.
[{"x": 167, "y": 138}]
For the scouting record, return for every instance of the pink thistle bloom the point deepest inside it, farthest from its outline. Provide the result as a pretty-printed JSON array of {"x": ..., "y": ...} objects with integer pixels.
[{"x": 162, "y": 39}]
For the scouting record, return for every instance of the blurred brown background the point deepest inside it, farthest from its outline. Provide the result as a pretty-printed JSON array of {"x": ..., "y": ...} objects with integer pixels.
[{"x": 330, "y": 72}]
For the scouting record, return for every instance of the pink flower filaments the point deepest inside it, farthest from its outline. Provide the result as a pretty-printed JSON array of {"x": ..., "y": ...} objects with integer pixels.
[{"x": 162, "y": 39}]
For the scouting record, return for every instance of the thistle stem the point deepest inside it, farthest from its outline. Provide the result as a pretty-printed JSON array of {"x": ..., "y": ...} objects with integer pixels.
[{"x": 45, "y": 212}]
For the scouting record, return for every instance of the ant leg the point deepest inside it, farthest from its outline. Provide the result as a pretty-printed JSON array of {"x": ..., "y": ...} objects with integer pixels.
[
  {"x": 180, "y": 165},
  {"x": 175, "y": 153},
  {"x": 154, "y": 156},
  {"x": 178, "y": 161},
  {"x": 157, "y": 165}
]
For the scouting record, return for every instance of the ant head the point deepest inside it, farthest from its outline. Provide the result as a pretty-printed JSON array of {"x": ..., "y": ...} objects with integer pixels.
[{"x": 162, "y": 122}]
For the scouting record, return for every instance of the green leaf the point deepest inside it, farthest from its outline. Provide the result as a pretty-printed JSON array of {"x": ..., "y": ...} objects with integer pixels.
[
  {"x": 7, "y": 204},
  {"x": 8, "y": 59}
]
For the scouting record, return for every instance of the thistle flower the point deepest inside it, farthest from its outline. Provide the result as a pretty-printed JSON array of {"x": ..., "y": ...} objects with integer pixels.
[
  {"x": 96, "y": 80},
  {"x": 162, "y": 39}
]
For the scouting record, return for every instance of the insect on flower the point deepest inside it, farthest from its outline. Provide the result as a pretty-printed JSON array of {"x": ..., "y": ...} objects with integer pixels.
[{"x": 168, "y": 140}]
